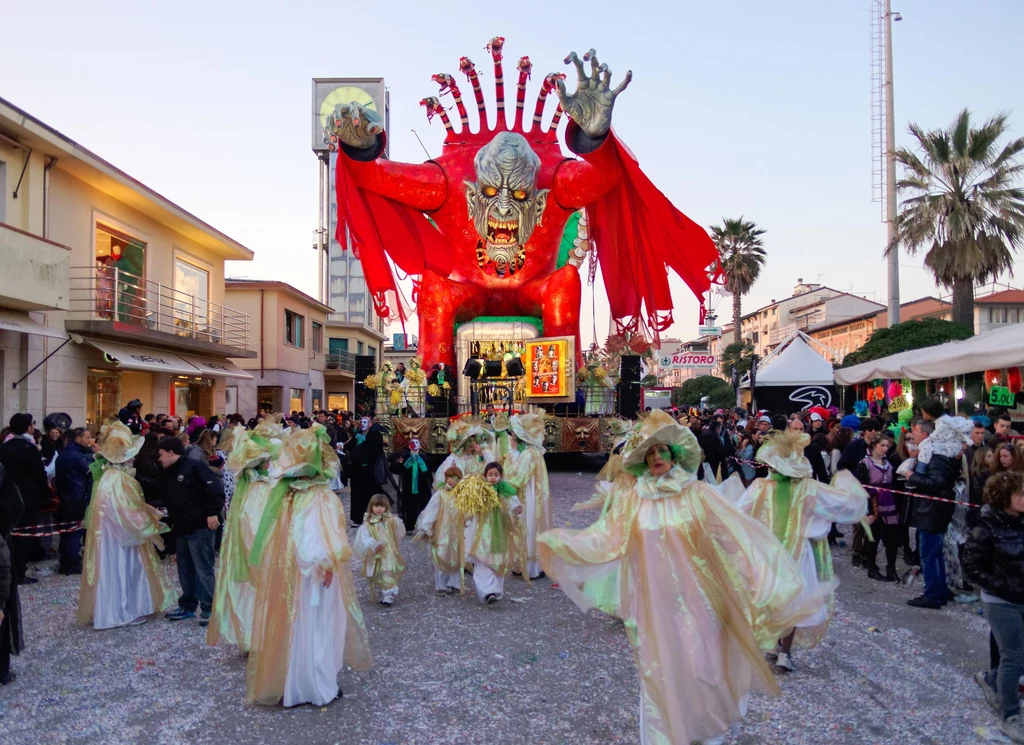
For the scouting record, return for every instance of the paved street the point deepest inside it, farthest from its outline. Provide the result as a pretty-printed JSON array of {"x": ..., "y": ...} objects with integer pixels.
[{"x": 532, "y": 669}]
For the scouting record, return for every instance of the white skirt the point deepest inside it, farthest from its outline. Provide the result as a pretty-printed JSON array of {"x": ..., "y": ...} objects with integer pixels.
[{"x": 122, "y": 586}]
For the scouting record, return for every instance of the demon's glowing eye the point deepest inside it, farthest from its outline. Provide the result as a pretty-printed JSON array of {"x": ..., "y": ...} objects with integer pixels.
[
  {"x": 519, "y": 195},
  {"x": 490, "y": 192}
]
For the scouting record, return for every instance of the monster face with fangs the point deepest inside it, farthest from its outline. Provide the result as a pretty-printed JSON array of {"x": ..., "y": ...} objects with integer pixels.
[{"x": 505, "y": 203}]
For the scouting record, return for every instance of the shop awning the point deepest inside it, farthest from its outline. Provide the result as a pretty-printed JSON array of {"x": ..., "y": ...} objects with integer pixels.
[
  {"x": 130, "y": 357},
  {"x": 992, "y": 350},
  {"x": 12, "y": 320},
  {"x": 217, "y": 367}
]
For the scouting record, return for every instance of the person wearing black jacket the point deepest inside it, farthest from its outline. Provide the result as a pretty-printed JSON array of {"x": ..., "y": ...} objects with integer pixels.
[
  {"x": 131, "y": 416},
  {"x": 11, "y": 641},
  {"x": 994, "y": 561},
  {"x": 73, "y": 481},
  {"x": 931, "y": 519},
  {"x": 24, "y": 465},
  {"x": 194, "y": 496},
  {"x": 857, "y": 451}
]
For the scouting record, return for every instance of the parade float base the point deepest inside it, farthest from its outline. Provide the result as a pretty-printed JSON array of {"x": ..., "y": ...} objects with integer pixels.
[{"x": 561, "y": 434}]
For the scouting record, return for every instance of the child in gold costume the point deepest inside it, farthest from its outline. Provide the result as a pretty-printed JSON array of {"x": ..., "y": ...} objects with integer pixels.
[
  {"x": 445, "y": 527},
  {"x": 376, "y": 545}
]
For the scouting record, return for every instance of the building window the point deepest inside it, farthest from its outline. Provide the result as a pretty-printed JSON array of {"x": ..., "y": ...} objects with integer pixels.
[
  {"x": 337, "y": 401},
  {"x": 318, "y": 399},
  {"x": 372, "y": 351},
  {"x": 318, "y": 338},
  {"x": 360, "y": 347},
  {"x": 1005, "y": 315},
  {"x": 231, "y": 399},
  {"x": 338, "y": 345},
  {"x": 755, "y": 337},
  {"x": 191, "y": 295},
  {"x": 296, "y": 400},
  {"x": 293, "y": 326},
  {"x": 121, "y": 256},
  {"x": 990, "y": 315}
]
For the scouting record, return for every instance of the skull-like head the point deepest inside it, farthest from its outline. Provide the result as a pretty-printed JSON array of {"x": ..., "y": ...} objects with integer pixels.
[{"x": 505, "y": 203}]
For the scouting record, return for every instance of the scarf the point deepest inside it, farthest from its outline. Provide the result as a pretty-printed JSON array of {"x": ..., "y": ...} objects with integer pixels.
[{"x": 417, "y": 466}]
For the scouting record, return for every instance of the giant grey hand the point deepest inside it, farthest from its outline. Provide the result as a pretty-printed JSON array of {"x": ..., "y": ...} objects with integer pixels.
[
  {"x": 591, "y": 105},
  {"x": 355, "y": 125}
]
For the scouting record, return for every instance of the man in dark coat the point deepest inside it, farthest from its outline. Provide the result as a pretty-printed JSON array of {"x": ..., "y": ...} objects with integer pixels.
[
  {"x": 24, "y": 465},
  {"x": 932, "y": 518},
  {"x": 417, "y": 479},
  {"x": 11, "y": 640},
  {"x": 194, "y": 496},
  {"x": 369, "y": 470},
  {"x": 131, "y": 416},
  {"x": 73, "y": 481}
]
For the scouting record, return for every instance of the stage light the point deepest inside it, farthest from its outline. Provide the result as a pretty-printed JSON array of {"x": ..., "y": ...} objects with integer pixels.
[{"x": 472, "y": 368}]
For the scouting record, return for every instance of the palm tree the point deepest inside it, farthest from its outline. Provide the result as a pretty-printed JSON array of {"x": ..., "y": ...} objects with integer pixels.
[
  {"x": 966, "y": 208},
  {"x": 741, "y": 254}
]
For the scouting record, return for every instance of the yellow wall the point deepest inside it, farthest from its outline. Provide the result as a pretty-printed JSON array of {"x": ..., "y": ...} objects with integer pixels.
[
  {"x": 25, "y": 212},
  {"x": 276, "y": 354},
  {"x": 76, "y": 207},
  {"x": 136, "y": 384}
]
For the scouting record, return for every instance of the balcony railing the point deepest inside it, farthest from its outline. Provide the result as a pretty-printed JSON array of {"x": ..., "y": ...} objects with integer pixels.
[
  {"x": 345, "y": 361},
  {"x": 101, "y": 293}
]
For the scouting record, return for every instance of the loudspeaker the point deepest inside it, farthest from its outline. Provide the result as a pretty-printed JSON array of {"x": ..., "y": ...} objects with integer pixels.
[
  {"x": 514, "y": 367},
  {"x": 629, "y": 369},
  {"x": 629, "y": 399},
  {"x": 366, "y": 365}
]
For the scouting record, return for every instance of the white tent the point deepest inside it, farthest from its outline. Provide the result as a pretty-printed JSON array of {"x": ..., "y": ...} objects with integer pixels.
[
  {"x": 793, "y": 363},
  {"x": 992, "y": 350}
]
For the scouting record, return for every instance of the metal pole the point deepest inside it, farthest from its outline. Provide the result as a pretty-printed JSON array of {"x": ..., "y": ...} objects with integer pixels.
[
  {"x": 890, "y": 178},
  {"x": 320, "y": 236}
]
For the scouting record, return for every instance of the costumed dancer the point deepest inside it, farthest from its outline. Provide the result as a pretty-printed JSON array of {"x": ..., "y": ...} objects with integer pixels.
[
  {"x": 251, "y": 460},
  {"x": 800, "y": 512},
  {"x": 598, "y": 389},
  {"x": 527, "y": 472},
  {"x": 122, "y": 582},
  {"x": 705, "y": 589},
  {"x": 415, "y": 386},
  {"x": 493, "y": 508},
  {"x": 472, "y": 447},
  {"x": 307, "y": 623},
  {"x": 445, "y": 527},
  {"x": 410, "y": 464},
  {"x": 376, "y": 545}
]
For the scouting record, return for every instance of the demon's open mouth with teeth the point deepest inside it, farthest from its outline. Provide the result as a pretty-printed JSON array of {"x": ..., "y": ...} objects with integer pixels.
[{"x": 504, "y": 202}]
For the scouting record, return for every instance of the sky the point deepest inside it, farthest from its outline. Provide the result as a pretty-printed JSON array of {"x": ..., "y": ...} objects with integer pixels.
[{"x": 737, "y": 107}]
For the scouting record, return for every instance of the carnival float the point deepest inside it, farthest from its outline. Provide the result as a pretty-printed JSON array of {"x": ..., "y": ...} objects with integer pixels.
[{"x": 494, "y": 234}]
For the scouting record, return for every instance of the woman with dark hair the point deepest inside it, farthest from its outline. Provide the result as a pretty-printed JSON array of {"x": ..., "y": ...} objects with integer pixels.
[
  {"x": 52, "y": 444},
  {"x": 994, "y": 561}
]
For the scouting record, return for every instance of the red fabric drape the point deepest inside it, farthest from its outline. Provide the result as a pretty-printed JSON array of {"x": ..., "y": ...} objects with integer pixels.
[
  {"x": 638, "y": 233},
  {"x": 382, "y": 227}
]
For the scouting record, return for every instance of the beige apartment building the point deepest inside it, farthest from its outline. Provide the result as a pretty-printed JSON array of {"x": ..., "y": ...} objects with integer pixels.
[
  {"x": 287, "y": 336},
  {"x": 108, "y": 290}
]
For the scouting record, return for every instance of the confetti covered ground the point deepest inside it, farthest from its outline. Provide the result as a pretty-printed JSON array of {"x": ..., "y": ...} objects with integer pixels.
[{"x": 532, "y": 669}]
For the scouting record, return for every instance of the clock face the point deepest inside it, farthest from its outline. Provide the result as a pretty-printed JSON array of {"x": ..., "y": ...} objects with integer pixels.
[{"x": 343, "y": 95}]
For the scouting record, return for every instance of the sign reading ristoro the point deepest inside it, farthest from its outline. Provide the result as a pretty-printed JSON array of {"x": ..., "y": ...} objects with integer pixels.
[{"x": 688, "y": 360}]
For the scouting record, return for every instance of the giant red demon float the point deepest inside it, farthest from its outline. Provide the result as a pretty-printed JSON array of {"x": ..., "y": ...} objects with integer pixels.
[{"x": 500, "y": 198}]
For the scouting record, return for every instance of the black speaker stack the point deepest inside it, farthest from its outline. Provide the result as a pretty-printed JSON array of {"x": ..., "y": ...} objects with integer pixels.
[
  {"x": 366, "y": 401},
  {"x": 629, "y": 387}
]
